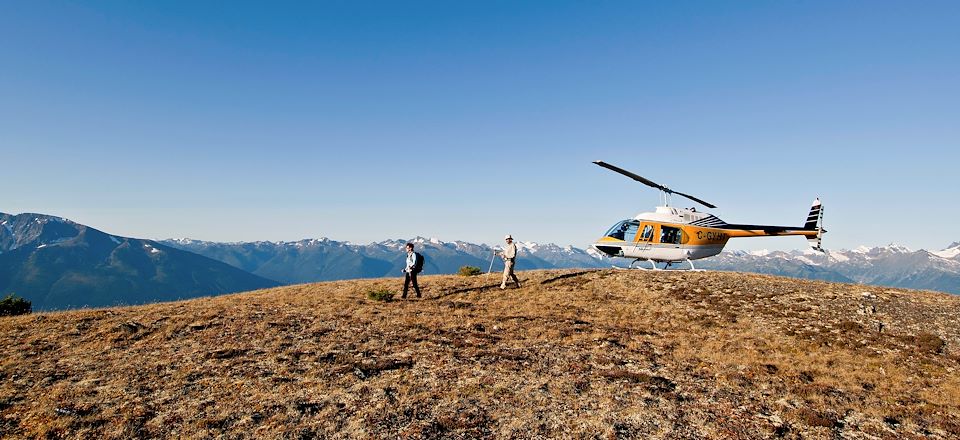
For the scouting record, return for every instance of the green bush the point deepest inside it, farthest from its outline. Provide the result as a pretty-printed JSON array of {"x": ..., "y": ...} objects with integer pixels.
[
  {"x": 13, "y": 305},
  {"x": 469, "y": 271},
  {"x": 380, "y": 295}
]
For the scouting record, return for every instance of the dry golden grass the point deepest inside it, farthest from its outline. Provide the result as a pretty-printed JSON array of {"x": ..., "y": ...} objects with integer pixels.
[{"x": 574, "y": 354}]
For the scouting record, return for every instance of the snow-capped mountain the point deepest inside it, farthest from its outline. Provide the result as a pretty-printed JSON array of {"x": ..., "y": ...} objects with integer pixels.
[
  {"x": 324, "y": 259},
  {"x": 952, "y": 251},
  {"x": 43, "y": 230},
  {"x": 892, "y": 265}
]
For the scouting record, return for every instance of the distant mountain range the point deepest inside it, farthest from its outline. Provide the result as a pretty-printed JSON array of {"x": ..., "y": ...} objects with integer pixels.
[
  {"x": 58, "y": 264},
  {"x": 893, "y": 265},
  {"x": 319, "y": 260},
  {"x": 308, "y": 261}
]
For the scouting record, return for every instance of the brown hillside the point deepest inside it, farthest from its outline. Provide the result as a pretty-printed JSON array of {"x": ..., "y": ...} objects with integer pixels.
[{"x": 599, "y": 354}]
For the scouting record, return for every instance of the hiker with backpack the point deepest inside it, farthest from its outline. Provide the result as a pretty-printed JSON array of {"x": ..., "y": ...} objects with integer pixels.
[{"x": 414, "y": 266}]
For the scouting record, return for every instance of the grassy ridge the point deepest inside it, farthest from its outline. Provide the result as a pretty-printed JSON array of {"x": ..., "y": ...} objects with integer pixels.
[{"x": 609, "y": 354}]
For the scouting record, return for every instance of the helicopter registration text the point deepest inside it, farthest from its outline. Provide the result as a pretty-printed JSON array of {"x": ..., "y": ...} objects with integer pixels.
[{"x": 712, "y": 236}]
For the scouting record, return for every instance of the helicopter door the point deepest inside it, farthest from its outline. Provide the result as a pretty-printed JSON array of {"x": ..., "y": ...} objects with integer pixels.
[
  {"x": 647, "y": 234},
  {"x": 645, "y": 237}
]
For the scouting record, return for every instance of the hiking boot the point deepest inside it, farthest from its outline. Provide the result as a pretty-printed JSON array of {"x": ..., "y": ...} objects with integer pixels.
[{"x": 503, "y": 287}]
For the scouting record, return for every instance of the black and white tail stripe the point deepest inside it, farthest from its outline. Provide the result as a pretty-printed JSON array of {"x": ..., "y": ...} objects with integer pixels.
[
  {"x": 709, "y": 222},
  {"x": 814, "y": 224},
  {"x": 813, "y": 218}
]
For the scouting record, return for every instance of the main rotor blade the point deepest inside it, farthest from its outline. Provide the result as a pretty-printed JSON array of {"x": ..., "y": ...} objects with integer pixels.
[
  {"x": 651, "y": 183},
  {"x": 638, "y": 178},
  {"x": 708, "y": 205}
]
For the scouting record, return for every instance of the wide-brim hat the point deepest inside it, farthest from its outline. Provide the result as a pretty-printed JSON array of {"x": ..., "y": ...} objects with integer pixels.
[{"x": 508, "y": 237}]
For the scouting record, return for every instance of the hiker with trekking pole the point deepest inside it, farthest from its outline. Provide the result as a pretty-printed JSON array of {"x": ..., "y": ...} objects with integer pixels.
[{"x": 509, "y": 256}]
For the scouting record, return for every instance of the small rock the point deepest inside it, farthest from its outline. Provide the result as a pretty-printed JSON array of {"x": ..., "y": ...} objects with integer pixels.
[
  {"x": 130, "y": 327},
  {"x": 772, "y": 418},
  {"x": 359, "y": 373}
]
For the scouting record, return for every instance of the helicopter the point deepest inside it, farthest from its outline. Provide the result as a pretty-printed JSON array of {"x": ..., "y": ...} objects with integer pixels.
[{"x": 675, "y": 235}]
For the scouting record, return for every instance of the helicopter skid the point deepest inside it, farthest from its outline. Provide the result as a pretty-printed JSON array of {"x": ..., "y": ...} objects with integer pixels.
[{"x": 653, "y": 266}]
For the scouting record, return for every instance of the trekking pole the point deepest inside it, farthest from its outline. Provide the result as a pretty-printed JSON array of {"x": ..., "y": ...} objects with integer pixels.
[{"x": 492, "y": 257}]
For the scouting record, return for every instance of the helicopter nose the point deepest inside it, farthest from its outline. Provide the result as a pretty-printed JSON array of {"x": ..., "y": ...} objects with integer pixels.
[{"x": 609, "y": 251}]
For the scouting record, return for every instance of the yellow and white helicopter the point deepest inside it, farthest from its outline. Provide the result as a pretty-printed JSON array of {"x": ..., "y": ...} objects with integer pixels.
[{"x": 673, "y": 235}]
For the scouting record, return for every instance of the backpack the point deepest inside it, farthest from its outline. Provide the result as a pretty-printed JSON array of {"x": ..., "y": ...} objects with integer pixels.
[{"x": 417, "y": 263}]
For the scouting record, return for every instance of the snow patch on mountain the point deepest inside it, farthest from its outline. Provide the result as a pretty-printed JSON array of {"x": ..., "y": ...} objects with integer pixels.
[
  {"x": 528, "y": 245},
  {"x": 838, "y": 256},
  {"x": 309, "y": 242},
  {"x": 951, "y": 251},
  {"x": 44, "y": 219},
  {"x": 54, "y": 242},
  {"x": 896, "y": 247},
  {"x": 186, "y": 241}
]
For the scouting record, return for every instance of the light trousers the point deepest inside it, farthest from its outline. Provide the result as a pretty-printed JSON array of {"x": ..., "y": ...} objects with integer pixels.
[{"x": 508, "y": 273}]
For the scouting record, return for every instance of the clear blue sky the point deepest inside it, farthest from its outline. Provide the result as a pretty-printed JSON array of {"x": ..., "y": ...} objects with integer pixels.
[{"x": 363, "y": 121}]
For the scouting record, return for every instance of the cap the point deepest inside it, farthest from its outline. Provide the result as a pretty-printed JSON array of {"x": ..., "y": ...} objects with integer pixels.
[{"x": 508, "y": 237}]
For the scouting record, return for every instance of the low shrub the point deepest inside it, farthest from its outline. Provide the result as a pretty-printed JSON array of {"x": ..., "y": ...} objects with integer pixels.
[
  {"x": 469, "y": 271},
  {"x": 850, "y": 326},
  {"x": 929, "y": 343},
  {"x": 384, "y": 295},
  {"x": 12, "y": 305},
  {"x": 815, "y": 419}
]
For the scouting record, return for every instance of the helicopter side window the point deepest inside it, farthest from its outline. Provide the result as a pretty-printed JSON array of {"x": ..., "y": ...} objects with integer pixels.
[
  {"x": 631, "y": 232},
  {"x": 669, "y": 235},
  {"x": 647, "y": 233}
]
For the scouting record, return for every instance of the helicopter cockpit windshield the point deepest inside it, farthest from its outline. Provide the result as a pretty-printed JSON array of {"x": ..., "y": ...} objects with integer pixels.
[{"x": 624, "y": 230}]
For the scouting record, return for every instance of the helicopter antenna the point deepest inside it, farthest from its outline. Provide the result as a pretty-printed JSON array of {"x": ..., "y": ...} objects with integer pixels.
[{"x": 665, "y": 192}]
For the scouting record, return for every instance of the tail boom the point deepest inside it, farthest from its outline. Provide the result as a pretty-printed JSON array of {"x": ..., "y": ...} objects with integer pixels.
[{"x": 812, "y": 228}]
